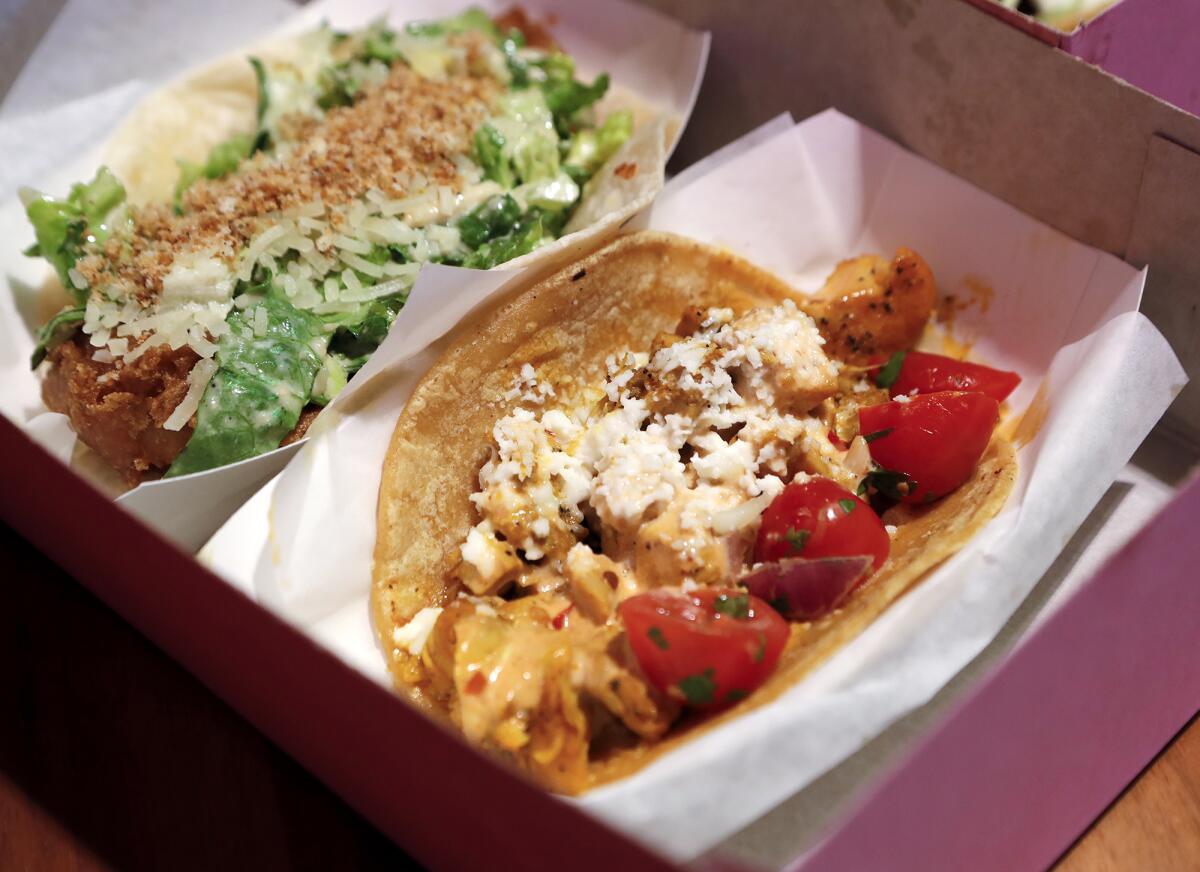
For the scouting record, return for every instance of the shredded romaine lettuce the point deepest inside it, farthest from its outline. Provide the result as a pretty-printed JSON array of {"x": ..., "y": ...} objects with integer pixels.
[
  {"x": 530, "y": 142},
  {"x": 224, "y": 158},
  {"x": 590, "y": 149},
  {"x": 63, "y": 227},
  {"x": 473, "y": 18},
  {"x": 330, "y": 380},
  {"x": 54, "y": 332},
  {"x": 555, "y": 194},
  {"x": 359, "y": 332},
  {"x": 529, "y": 233},
  {"x": 263, "y": 381},
  {"x": 494, "y": 217},
  {"x": 489, "y": 154}
]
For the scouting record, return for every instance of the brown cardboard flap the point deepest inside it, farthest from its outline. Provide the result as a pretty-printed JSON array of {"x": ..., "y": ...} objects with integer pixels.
[{"x": 1166, "y": 236}]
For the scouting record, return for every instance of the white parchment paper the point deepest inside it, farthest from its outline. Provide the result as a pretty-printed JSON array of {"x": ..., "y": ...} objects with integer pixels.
[
  {"x": 795, "y": 200},
  {"x": 646, "y": 54}
]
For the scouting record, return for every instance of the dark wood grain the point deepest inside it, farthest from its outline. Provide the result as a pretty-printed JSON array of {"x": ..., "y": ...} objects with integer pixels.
[{"x": 113, "y": 757}]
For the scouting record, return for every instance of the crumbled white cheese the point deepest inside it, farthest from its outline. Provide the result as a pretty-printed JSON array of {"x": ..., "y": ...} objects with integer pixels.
[
  {"x": 638, "y": 475},
  {"x": 479, "y": 549},
  {"x": 710, "y": 438},
  {"x": 529, "y": 389},
  {"x": 413, "y": 635}
]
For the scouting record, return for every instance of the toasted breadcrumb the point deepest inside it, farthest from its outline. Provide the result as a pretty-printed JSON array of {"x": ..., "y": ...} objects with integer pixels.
[{"x": 407, "y": 125}]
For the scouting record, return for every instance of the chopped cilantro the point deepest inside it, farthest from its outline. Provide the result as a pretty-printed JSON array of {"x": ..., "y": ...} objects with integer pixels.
[
  {"x": 737, "y": 606},
  {"x": 848, "y": 505},
  {"x": 878, "y": 434},
  {"x": 736, "y": 695},
  {"x": 699, "y": 689},
  {"x": 895, "y": 485},
  {"x": 657, "y": 637},
  {"x": 891, "y": 370},
  {"x": 797, "y": 538}
]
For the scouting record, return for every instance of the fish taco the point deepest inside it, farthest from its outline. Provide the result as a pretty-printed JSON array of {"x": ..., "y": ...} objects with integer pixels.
[
  {"x": 259, "y": 224},
  {"x": 657, "y": 488}
]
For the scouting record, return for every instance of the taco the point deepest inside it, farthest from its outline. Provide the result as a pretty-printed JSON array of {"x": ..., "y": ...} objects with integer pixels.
[
  {"x": 218, "y": 302},
  {"x": 660, "y": 486}
]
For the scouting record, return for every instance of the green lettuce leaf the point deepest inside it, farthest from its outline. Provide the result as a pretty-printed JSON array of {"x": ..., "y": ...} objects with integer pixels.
[
  {"x": 591, "y": 148},
  {"x": 379, "y": 44},
  {"x": 260, "y": 388},
  {"x": 359, "y": 333},
  {"x": 332, "y": 378},
  {"x": 262, "y": 136},
  {"x": 556, "y": 194},
  {"x": 223, "y": 158},
  {"x": 494, "y": 217},
  {"x": 489, "y": 154},
  {"x": 525, "y": 131},
  {"x": 57, "y": 330},
  {"x": 565, "y": 96},
  {"x": 528, "y": 234},
  {"x": 63, "y": 227},
  {"x": 473, "y": 18}
]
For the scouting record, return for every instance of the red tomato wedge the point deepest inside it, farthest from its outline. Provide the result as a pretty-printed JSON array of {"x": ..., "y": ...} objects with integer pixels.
[
  {"x": 707, "y": 648},
  {"x": 820, "y": 518},
  {"x": 804, "y": 589},
  {"x": 927, "y": 445},
  {"x": 928, "y": 373}
]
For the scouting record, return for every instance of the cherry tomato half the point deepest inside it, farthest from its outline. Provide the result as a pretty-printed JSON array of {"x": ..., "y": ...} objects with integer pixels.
[
  {"x": 707, "y": 648},
  {"x": 927, "y": 373},
  {"x": 820, "y": 518},
  {"x": 933, "y": 442}
]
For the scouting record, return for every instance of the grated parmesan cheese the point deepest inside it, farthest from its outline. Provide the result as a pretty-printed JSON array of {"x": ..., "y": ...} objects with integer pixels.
[{"x": 197, "y": 380}]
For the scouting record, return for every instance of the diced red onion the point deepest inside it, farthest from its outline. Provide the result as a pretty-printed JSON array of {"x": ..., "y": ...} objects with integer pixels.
[{"x": 804, "y": 589}]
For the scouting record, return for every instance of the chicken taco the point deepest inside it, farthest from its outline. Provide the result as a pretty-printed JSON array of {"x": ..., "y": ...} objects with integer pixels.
[
  {"x": 659, "y": 487},
  {"x": 215, "y": 304}
]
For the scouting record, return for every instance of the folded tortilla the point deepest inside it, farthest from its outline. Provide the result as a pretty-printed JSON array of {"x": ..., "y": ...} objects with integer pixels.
[
  {"x": 178, "y": 410},
  {"x": 619, "y": 298}
]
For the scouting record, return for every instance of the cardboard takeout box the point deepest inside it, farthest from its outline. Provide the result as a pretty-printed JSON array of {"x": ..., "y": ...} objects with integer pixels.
[
  {"x": 1007, "y": 768},
  {"x": 1148, "y": 43}
]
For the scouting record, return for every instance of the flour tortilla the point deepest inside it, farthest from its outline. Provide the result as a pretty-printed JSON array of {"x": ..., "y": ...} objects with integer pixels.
[{"x": 567, "y": 324}]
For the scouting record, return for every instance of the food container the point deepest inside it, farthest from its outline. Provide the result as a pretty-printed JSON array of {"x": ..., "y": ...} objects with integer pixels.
[
  {"x": 1011, "y": 760},
  {"x": 1147, "y": 43}
]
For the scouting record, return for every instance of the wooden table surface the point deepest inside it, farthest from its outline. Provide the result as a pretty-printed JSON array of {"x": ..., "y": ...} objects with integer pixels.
[{"x": 113, "y": 757}]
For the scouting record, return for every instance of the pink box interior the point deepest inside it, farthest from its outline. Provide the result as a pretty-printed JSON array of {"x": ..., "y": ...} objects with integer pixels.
[
  {"x": 1149, "y": 43},
  {"x": 1007, "y": 781}
]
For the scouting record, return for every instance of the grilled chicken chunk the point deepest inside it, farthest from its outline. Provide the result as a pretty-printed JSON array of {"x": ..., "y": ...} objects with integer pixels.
[{"x": 871, "y": 307}]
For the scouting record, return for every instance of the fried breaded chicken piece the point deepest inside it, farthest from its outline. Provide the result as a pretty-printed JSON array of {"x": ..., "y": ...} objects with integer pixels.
[
  {"x": 119, "y": 413},
  {"x": 121, "y": 416}
]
